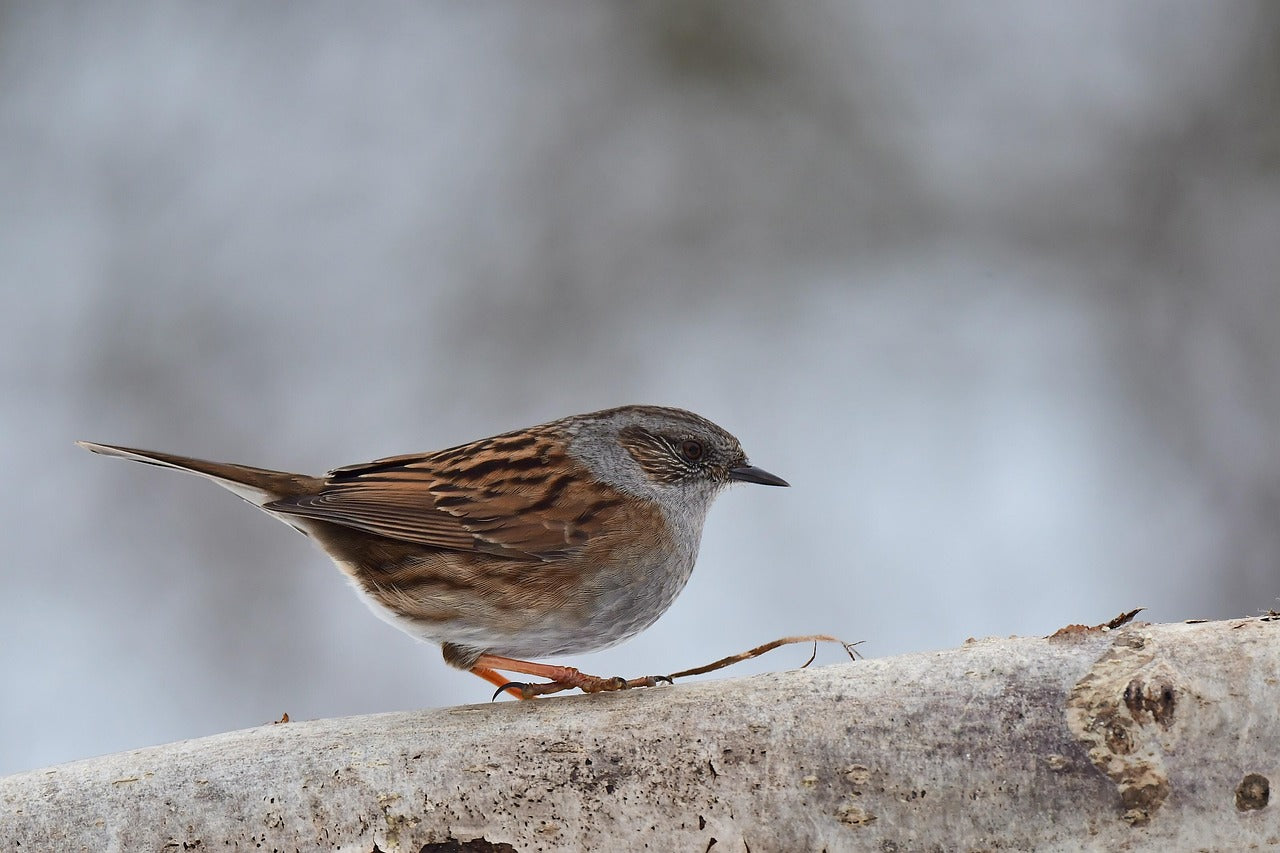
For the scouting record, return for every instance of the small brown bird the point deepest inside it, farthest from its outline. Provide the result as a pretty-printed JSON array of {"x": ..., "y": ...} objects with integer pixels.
[{"x": 557, "y": 539}]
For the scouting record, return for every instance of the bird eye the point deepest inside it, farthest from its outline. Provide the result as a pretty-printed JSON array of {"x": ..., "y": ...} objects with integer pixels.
[{"x": 691, "y": 450}]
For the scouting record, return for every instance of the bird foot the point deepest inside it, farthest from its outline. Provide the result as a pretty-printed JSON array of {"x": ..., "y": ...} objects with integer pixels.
[
  {"x": 579, "y": 681},
  {"x": 559, "y": 678}
]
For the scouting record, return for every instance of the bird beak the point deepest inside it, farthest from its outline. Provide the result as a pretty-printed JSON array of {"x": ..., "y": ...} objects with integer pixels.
[{"x": 752, "y": 474}]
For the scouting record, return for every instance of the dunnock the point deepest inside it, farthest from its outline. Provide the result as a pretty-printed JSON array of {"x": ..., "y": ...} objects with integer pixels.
[{"x": 557, "y": 539}]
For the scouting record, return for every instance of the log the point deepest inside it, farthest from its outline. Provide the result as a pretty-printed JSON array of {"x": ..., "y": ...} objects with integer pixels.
[{"x": 1142, "y": 737}]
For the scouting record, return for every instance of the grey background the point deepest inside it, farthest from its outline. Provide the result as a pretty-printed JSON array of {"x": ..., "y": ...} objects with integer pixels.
[{"x": 993, "y": 284}]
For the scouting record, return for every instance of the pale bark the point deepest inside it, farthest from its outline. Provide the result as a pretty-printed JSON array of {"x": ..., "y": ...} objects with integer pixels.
[{"x": 1146, "y": 737}]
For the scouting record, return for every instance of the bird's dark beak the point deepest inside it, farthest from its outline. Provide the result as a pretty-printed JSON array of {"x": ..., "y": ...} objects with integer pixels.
[{"x": 752, "y": 474}]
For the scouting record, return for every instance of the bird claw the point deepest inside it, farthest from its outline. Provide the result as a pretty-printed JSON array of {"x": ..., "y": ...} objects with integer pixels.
[{"x": 510, "y": 685}]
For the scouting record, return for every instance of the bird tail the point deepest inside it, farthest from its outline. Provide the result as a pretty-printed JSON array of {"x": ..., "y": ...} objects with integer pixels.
[{"x": 256, "y": 485}]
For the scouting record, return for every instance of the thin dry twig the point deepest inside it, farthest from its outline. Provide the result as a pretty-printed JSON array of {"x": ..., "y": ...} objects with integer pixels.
[{"x": 768, "y": 647}]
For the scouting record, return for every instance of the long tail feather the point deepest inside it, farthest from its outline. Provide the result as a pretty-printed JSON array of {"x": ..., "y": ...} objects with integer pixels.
[{"x": 256, "y": 485}]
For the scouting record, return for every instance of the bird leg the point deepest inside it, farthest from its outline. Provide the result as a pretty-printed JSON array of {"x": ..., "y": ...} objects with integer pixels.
[
  {"x": 559, "y": 678},
  {"x": 495, "y": 677}
]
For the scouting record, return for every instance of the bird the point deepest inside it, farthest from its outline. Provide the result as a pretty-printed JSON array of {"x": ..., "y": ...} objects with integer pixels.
[{"x": 557, "y": 539}]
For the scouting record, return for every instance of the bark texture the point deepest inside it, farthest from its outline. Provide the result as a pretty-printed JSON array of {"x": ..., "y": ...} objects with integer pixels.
[{"x": 1146, "y": 737}]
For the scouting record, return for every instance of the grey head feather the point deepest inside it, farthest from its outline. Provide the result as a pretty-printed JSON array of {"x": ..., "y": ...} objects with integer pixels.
[{"x": 598, "y": 441}]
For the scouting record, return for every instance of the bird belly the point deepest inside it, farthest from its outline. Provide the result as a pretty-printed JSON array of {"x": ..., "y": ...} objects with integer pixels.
[{"x": 542, "y": 619}]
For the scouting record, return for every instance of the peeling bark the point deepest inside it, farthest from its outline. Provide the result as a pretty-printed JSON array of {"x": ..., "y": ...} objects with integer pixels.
[{"x": 1139, "y": 738}]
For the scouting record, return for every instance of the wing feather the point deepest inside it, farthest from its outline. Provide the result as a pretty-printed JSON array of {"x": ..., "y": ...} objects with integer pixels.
[{"x": 494, "y": 496}]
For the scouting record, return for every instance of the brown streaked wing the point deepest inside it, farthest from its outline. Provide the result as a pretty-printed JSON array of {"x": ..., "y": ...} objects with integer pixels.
[{"x": 498, "y": 495}]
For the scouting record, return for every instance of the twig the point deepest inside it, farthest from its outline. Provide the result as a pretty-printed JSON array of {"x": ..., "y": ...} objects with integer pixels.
[{"x": 768, "y": 647}]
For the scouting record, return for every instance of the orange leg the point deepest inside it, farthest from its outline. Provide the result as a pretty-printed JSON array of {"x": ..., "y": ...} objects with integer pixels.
[
  {"x": 559, "y": 677},
  {"x": 497, "y": 678}
]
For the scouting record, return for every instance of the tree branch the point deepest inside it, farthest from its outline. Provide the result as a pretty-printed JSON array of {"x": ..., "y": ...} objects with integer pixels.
[{"x": 1142, "y": 737}]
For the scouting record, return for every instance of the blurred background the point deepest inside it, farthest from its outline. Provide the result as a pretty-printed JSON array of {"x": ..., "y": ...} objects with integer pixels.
[{"x": 994, "y": 285}]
